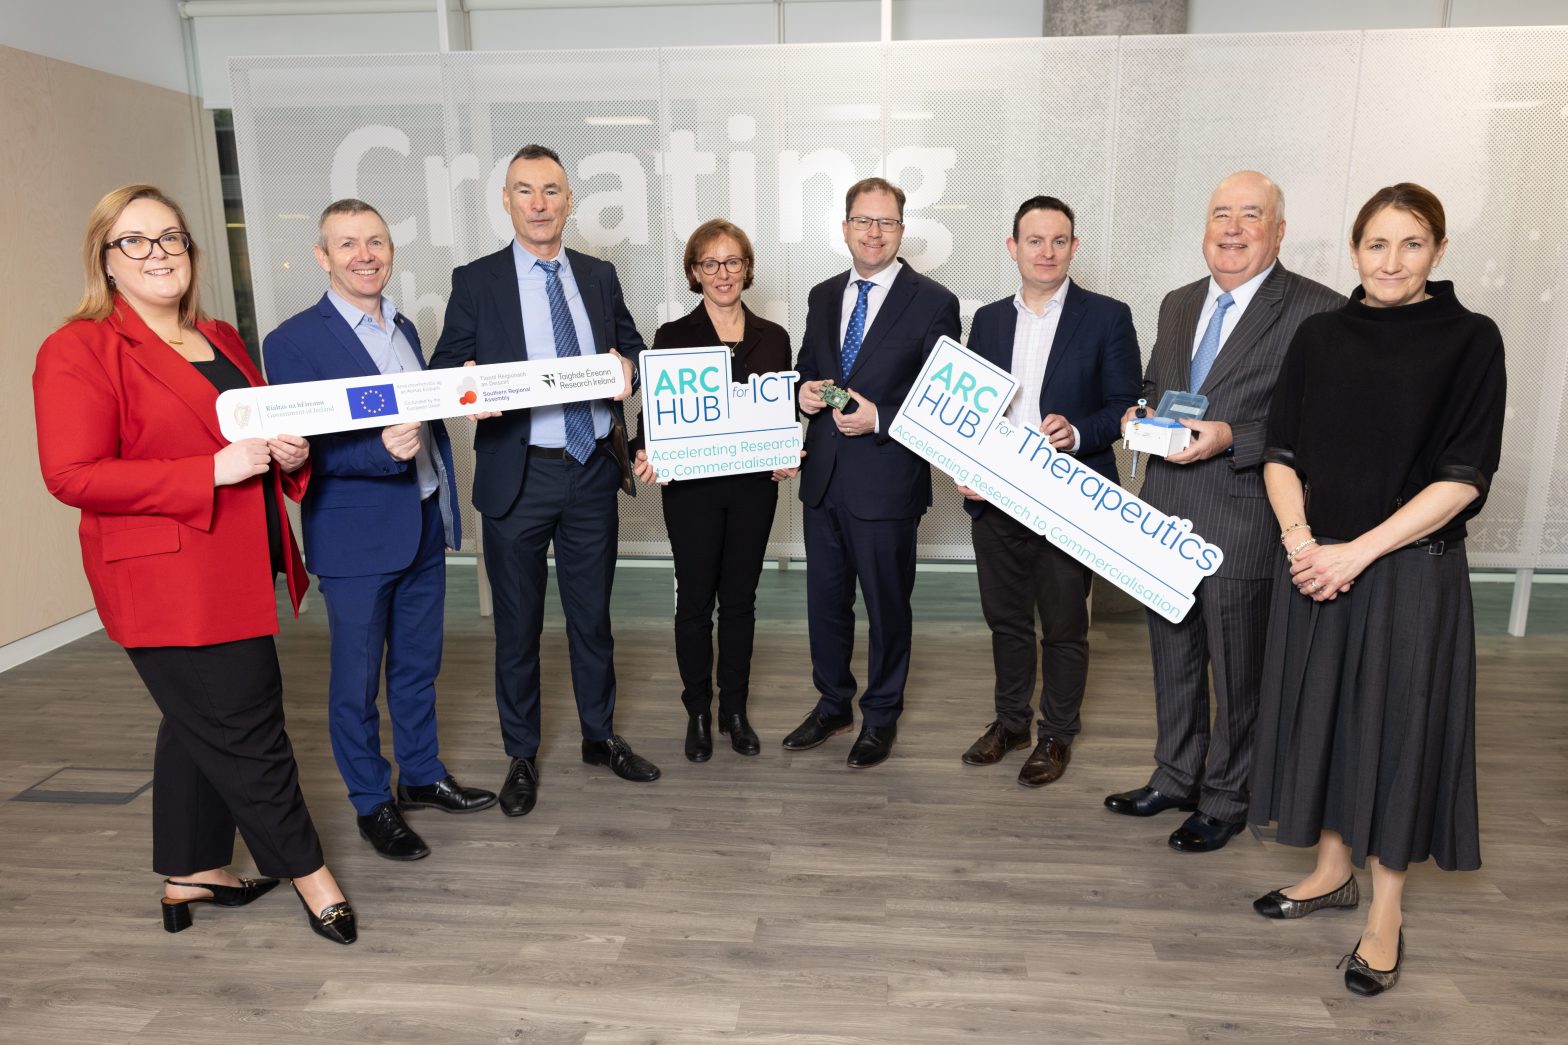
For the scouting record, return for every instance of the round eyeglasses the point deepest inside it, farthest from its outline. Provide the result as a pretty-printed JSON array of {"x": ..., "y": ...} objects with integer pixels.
[
  {"x": 139, "y": 248},
  {"x": 730, "y": 265}
]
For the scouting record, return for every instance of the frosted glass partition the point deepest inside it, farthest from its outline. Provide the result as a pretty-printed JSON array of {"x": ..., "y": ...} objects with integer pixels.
[{"x": 1133, "y": 132}]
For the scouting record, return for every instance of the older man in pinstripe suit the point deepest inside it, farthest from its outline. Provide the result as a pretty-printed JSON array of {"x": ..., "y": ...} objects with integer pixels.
[{"x": 1223, "y": 337}]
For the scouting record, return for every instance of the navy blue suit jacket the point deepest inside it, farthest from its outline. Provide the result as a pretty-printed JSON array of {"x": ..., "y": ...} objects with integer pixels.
[
  {"x": 1091, "y": 376},
  {"x": 361, "y": 513},
  {"x": 484, "y": 322},
  {"x": 886, "y": 481}
]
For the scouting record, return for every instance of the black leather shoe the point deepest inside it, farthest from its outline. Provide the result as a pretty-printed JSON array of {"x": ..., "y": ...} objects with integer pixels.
[
  {"x": 1146, "y": 801},
  {"x": 742, "y": 737},
  {"x": 622, "y": 760},
  {"x": 1362, "y": 979},
  {"x": 446, "y": 795},
  {"x": 816, "y": 729},
  {"x": 1202, "y": 833},
  {"x": 177, "y": 913},
  {"x": 390, "y": 834},
  {"x": 520, "y": 789},
  {"x": 872, "y": 747},
  {"x": 1278, "y": 905},
  {"x": 335, "y": 922},
  {"x": 699, "y": 737}
]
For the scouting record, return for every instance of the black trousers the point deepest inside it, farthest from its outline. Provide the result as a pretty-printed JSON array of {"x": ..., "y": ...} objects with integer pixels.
[
  {"x": 718, "y": 534},
  {"x": 223, "y": 761},
  {"x": 1021, "y": 573}
]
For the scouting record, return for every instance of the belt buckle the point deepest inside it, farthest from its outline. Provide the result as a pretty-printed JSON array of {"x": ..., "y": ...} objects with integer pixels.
[{"x": 1435, "y": 547}]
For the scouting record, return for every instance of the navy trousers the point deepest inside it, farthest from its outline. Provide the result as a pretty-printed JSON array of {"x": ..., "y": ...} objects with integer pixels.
[
  {"x": 396, "y": 616},
  {"x": 880, "y": 553},
  {"x": 572, "y": 505}
]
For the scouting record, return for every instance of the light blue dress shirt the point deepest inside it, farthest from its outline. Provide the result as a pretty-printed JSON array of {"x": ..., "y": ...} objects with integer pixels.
[
  {"x": 392, "y": 353},
  {"x": 548, "y": 425}
]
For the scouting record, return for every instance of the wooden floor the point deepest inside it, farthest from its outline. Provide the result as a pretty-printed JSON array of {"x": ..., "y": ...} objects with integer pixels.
[{"x": 778, "y": 899}]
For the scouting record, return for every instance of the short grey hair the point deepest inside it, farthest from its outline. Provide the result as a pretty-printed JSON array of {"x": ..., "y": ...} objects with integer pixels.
[{"x": 343, "y": 206}]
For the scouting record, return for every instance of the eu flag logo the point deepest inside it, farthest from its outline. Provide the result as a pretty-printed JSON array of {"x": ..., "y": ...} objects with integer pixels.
[{"x": 371, "y": 401}]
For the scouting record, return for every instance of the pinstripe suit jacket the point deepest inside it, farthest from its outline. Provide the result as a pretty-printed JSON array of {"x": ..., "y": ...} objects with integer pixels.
[{"x": 1224, "y": 496}]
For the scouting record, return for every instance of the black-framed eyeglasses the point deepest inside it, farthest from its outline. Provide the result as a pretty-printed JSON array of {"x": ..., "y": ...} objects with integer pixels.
[
  {"x": 861, "y": 222},
  {"x": 730, "y": 265},
  {"x": 139, "y": 248}
]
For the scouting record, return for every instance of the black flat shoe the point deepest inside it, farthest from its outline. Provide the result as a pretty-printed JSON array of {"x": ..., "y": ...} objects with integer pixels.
[
  {"x": 446, "y": 795},
  {"x": 335, "y": 922},
  {"x": 177, "y": 913},
  {"x": 742, "y": 737},
  {"x": 872, "y": 747},
  {"x": 699, "y": 737},
  {"x": 1202, "y": 833},
  {"x": 1362, "y": 979},
  {"x": 622, "y": 760},
  {"x": 1145, "y": 801},
  {"x": 816, "y": 729},
  {"x": 1278, "y": 905},
  {"x": 389, "y": 833},
  {"x": 520, "y": 789}
]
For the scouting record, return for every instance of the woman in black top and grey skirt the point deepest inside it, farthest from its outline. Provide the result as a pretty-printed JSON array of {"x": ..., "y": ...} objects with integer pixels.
[
  {"x": 719, "y": 526},
  {"x": 1385, "y": 431}
]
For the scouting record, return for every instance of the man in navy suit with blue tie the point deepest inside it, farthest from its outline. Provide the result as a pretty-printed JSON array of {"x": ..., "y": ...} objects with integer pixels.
[
  {"x": 1075, "y": 356},
  {"x": 547, "y": 475},
  {"x": 867, "y": 331},
  {"x": 378, "y": 517}
]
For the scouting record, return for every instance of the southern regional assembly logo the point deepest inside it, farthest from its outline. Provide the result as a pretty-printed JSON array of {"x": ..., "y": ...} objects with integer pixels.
[{"x": 371, "y": 401}]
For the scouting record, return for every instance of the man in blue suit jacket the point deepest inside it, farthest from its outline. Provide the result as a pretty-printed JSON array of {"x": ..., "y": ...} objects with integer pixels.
[
  {"x": 1075, "y": 355},
  {"x": 380, "y": 512},
  {"x": 867, "y": 331},
  {"x": 548, "y": 473}
]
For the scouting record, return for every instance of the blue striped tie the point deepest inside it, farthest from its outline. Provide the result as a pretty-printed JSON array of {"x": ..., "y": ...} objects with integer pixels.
[
  {"x": 1209, "y": 347},
  {"x": 578, "y": 416},
  {"x": 855, "y": 333}
]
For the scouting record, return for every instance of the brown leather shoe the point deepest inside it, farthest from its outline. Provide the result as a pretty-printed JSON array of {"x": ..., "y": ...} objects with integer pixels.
[
  {"x": 1046, "y": 763},
  {"x": 994, "y": 744}
]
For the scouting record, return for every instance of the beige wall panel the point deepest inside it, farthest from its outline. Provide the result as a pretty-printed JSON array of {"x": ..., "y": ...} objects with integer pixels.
[{"x": 71, "y": 134}]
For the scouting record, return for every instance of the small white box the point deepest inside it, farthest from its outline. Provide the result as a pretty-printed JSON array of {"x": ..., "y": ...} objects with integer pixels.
[{"x": 1158, "y": 435}]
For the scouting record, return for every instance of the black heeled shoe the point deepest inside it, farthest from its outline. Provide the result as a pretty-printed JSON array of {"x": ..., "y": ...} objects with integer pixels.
[
  {"x": 335, "y": 922},
  {"x": 742, "y": 737},
  {"x": 1362, "y": 979},
  {"x": 177, "y": 913}
]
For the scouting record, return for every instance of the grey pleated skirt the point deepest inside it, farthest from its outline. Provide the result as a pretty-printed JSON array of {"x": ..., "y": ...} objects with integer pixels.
[{"x": 1366, "y": 721}]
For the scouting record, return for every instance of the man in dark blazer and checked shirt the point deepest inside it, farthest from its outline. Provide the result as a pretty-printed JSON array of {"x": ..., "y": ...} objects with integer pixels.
[
  {"x": 1075, "y": 356},
  {"x": 867, "y": 331},
  {"x": 1223, "y": 337}
]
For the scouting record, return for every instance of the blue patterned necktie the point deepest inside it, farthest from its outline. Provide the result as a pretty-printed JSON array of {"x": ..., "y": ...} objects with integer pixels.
[
  {"x": 578, "y": 416},
  {"x": 1209, "y": 347},
  {"x": 855, "y": 333}
]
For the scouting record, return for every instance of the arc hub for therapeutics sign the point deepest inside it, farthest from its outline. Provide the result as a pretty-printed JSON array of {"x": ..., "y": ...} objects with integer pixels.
[
  {"x": 698, "y": 423},
  {"x": 953, "y": 419}
]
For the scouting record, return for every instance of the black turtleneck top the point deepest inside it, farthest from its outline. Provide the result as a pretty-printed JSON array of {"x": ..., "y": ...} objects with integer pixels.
[{"x": 1375, "y": 404}]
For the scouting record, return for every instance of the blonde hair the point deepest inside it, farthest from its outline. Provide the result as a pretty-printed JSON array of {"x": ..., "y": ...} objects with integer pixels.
[{"x": 98, "y": 293}]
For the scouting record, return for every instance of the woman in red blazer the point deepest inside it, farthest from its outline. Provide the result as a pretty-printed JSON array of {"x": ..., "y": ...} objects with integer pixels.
[{"x": 182, "y": 536}]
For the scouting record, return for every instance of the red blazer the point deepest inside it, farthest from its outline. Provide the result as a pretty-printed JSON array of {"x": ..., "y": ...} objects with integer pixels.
[{"x": 126, "y": 432}]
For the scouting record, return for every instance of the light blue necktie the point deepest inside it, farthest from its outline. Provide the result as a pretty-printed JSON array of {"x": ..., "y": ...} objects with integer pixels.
[
  {"x": 855, "y": 333},
  {"x": 578, "y": 417},
  {"x": 1209, "y": 347}
]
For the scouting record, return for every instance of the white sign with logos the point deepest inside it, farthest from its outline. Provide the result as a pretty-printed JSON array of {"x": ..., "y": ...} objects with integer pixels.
[{"x": 342, "y": 404}]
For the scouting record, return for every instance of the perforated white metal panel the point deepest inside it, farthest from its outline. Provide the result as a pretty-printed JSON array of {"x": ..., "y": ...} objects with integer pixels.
[{"x": 1132, "y": 132}]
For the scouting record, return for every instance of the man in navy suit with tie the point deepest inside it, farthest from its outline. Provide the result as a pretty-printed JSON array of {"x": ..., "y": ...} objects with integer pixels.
[
  {"x": 380, "y": 512},
  {"x": 1075, "y": 356},
  {"x": 547, "y": 474},
  {"x": 867, "y": 331}
]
